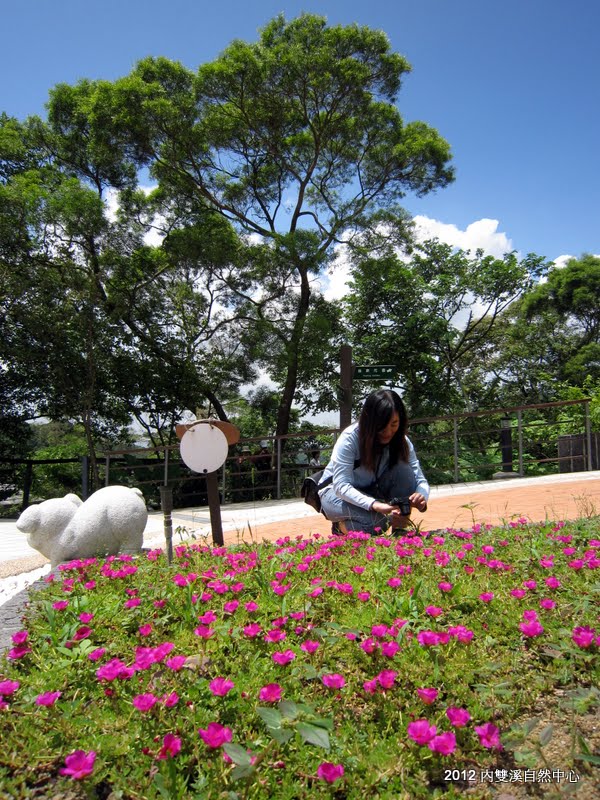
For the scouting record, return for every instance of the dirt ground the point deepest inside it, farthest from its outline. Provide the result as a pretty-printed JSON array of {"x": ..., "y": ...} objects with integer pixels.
[{"x": 555, "y": 501}]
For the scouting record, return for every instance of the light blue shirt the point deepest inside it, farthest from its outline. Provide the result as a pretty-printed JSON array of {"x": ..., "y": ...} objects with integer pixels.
[{"x": 348, "y": 481}]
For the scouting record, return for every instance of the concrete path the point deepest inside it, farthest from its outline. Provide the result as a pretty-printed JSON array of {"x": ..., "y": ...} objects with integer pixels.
[{"x": 566, "y": 496}]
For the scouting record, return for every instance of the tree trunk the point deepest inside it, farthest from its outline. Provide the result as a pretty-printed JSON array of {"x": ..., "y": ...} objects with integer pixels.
[{"x": 293, "y": 354}]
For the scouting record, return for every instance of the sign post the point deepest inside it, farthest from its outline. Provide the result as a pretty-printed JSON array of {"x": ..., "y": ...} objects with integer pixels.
[
  {"x": 345, "y": 386},
  {"x": 376, "y": 372},
  {"x": 204, "y": 446}
]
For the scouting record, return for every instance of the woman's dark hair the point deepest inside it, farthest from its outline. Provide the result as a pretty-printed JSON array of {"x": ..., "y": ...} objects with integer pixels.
[{"x": 376, "y": 412}]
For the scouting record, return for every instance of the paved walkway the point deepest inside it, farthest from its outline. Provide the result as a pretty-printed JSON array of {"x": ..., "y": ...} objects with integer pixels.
[{"x": 553, "y": 497}]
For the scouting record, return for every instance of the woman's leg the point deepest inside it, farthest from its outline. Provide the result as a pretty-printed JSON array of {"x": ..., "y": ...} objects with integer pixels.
[
  {"x": 398, "y": 482},
  {"x": 354, "y": 517}
]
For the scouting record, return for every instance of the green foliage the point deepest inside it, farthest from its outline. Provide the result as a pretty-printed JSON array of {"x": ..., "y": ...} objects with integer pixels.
[{"x": 433, "y": 316}]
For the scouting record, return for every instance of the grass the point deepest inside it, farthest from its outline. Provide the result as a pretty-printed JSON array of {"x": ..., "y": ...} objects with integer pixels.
[{"x": 350, "y": 667}]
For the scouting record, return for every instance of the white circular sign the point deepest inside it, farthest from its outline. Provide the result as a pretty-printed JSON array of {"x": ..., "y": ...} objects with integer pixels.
[{"x": 204, "y": 448}]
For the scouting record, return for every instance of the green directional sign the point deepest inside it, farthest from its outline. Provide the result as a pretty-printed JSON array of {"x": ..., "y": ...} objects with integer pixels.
[{"x": 376, "y": 372}]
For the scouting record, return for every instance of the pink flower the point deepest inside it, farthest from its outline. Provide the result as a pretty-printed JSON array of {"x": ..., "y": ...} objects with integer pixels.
[
  {"x": 434, "y": 611},
  {"x": 144, "y": 702},
  {"x": 443, "y": 743},
  {"x": 445, "y": 586},
  {"x": 552, "y": 582},
  {"x": 252, "y": 630},
  {"x": 251, "y": 606},
  {"x": 170, "y": 700},
  {"x": 114, "y": 669},
  {"x": 271, "y": 693},
  {"x": 458, "y": 717},
  {"x": 96, "y": 654},
  {"x": 583, "y": 636},
  {"x": 230, "y": 606},
  {"x": 82, "y": 633},
  {"x": 518, "y": 593},
  {"x": 8, "y": 687},
  {"x": 207, "y": 617},
  {"x": 18, "y": 652},
  {"x": 428, "y": 638},
  {"x": 389, "y": 649},
  {"x": 547, "y": 603},
  {"x": 79, "y": 764},
  {"x": 133, "y": 602},
  {"x": 284, "y": 657},
  {"x": 379, "y": 630},
  {"x": 47, "y": 698},
  {"x": 531, "y": 585},
  {"x": 274, "y": 636},
  {"x": 86, "y": 617},
  {"x": 309, "y": 646},
  {"x": 531, "y": 629},
  {"x": 333, "y": 681},
  {"x": 486, "y": 597},
  {"x": 330, "y": 772},
  {"x": 220, "y": 686},
  {"x": 20, "y": 637},
  {"x": 175, "y": 663},
  {"x": 489, "y": 736},
  {"x": 428, "y": 696},
  {"x": 386, "y": 678},
  {"x": 170, "y": 747},
  {"x": 204, "y": 632},
  {"x": 215, "y": 735},
  {"x": 145, "y": 630},
  {"x": 363, "y": 596},
  {"x": 371, "y": 686},
  {"x": 60, "y": 605},
  {"x": 421, "y": 732}
]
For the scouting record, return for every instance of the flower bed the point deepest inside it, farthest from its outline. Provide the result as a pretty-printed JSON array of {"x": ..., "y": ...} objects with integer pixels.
[{"x": 354, "y": 666}]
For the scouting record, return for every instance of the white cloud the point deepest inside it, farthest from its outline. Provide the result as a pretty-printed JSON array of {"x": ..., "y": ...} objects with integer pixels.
[
  {"x": 155, "y": 234},
  {"x": 336, "y": 284},
  {"x": 562, "y": 261},
  {"x": 482, "y": 234}
]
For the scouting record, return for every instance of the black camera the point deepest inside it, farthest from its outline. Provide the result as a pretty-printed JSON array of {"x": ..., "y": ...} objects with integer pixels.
[{"x": 403, "y": 504}]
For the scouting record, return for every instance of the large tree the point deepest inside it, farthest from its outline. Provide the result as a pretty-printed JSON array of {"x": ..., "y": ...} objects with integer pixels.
[
  {"x": 96, "y": 324},
  {"x": 432, "y": 316},
  {"x": 297, "y": 141}
]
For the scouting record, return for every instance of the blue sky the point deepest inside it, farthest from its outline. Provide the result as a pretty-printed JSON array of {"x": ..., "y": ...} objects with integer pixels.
[{"x": 511, "y": 84}]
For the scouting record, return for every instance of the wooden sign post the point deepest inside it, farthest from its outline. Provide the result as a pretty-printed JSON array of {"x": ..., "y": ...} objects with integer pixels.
[{"x": 204, "y": 447}]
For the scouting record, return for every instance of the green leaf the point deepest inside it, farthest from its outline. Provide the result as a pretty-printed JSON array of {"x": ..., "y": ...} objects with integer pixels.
[
  {"x": 588, "y": 757},
  {"x": 281, "y": 735},
  {"x": 546, "y": 735},
  {"x": 237, "y": 754},
  {"x": 530, "y": 724},
  {"x": 288, "y": 709},
  {"x": 313, "y": 735},
  {"x": 241, "y": 772},
  {"x": 323, "y": 722},
  {"x": 270, "y": 716}
]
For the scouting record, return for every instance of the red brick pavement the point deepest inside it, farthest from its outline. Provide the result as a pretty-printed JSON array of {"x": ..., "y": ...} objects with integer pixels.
[{"x": 553, "y": 501}]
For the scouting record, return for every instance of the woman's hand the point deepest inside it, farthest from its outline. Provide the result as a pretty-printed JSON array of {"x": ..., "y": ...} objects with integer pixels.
[
  {"x": 383, "y": 508},
  {"x": 418, "y": 501}
]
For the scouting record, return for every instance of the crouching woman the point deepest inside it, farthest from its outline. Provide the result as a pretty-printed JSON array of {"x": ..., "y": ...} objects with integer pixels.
[{"x": 372, "y": 463}]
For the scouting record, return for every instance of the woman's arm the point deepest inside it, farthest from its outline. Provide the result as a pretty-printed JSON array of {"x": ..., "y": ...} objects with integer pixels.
[
  {"x": 344, "y": 456},
  {"x": 420, "y": 496}
]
